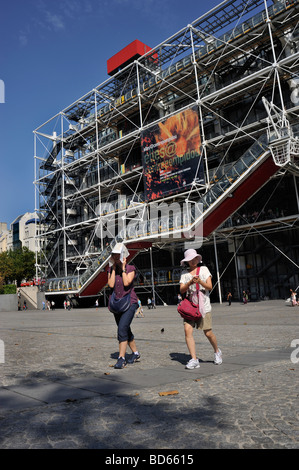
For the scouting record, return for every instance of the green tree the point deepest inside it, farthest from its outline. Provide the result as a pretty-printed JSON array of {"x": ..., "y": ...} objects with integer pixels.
[
  {"x": 6, "y": 267},
  {"x": 16, "y": 265}
]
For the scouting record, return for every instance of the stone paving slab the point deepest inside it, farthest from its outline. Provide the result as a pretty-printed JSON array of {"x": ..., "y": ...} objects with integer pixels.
[
  {"x": 42, "y": 392},
  {"x": 35, "y": 393},
  {"x": 10, "y": 400}
]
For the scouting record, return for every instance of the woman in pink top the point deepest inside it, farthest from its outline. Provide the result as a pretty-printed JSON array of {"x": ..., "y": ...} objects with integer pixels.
[{"x": 120, "y": 279}]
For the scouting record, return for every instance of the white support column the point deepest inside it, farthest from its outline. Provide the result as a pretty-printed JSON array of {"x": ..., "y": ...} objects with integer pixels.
[
  {"x": 63, "y": 199},
  {"x": 217, "y": 269},
  {"x": 139, "y": 95},
  {"x": 98, "y": 166},
  {"x": 152, "y": 275},
  {"x": 35, "y": 210}
]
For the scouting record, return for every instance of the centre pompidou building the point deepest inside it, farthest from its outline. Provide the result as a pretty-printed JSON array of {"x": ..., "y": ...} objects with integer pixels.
[{"x": 193, "y": 140}]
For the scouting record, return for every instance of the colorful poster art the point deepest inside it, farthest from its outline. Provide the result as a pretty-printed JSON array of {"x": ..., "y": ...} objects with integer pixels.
[{"x": 171, "y": 155}]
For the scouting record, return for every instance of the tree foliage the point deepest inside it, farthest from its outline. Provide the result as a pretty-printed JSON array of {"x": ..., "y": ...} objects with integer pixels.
[{"x": 16, "y": 265}]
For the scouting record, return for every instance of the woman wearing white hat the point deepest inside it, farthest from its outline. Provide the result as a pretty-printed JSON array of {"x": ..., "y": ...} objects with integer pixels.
[
  {"x": 120, "y": 279},
  {"x": 188, "y": 281}
]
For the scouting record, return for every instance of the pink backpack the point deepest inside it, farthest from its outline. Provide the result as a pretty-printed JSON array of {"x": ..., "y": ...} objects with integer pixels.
[{"x": 189, "y": 310}]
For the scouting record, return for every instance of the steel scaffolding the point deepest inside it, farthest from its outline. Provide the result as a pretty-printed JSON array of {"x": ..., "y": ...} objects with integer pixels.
[{"x": 88, "y": 167}]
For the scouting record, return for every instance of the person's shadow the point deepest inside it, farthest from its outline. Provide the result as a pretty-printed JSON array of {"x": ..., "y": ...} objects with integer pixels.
[{"x": 183, "y": 358}]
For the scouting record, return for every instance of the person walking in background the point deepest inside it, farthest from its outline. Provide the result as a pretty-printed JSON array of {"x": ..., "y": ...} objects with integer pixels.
[
  {"x": 293, "y": 298},
  {"x": 245, "y": 297},
  {"x": 139, "y": 310},
  {"x": 229, "y": 298},
  {"x": 120, "y": 279},
  {"x": 188, "y": 282}
]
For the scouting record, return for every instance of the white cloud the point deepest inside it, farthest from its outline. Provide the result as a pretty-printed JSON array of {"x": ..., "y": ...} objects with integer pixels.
[
  {"x": 23, "y": 39},
  {"x": 54, "y": 21}
]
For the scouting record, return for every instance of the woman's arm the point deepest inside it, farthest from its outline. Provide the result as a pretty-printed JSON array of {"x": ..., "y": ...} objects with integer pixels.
[
  {"x": 206, "y": 285},
  {"x": 127, "y": 277},
  {"x": 111, "y": 277},
  {"x": 185, "y": 287}
]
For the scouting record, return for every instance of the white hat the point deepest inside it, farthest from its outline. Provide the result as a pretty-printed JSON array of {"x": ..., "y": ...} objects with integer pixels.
[
  {"x": 189, "y": 255},
  {"x": 121, "y": 249}
]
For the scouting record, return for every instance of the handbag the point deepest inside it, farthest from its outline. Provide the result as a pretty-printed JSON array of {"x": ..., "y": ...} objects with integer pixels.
[
  {"x": 190, "y": 311},
  {"x": 119, "y": 305}
]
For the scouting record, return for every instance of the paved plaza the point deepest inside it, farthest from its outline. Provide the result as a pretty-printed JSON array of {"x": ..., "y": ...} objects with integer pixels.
[{"x": 59, "y": 389}]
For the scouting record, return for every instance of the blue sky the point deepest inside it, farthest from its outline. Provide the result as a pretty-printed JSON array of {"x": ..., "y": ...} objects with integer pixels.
[{"x": 51, "y": 54}]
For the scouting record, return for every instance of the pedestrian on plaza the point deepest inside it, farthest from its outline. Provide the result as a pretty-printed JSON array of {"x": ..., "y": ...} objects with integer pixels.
[
  {"x": 229, "y": 298},
  {"x": 293, "y": 298},
  {"x": 139, "y": 311},
  {"x": 245, "y": 297},
  {"x": 153, "y": 303},
  {"x": 149, "y": 303},
  {"x": 188, "y": 282},
  {"x": 120, "y": 279}
]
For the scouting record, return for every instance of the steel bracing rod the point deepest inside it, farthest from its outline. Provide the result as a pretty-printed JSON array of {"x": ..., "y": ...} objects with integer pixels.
[
  {"x": 239, "y": 129},
  {"x": 275, "y": 64},
  {"x": 61, "y": 229},
  {"x": 163, "y": 80},
  {"x": 272, "y": 111},
  {"x": 227, "y": 18},
  {"x": 253, "y": 228},
  {"x": 204, "y": 148},
  {"x": 239, "y": 83}
]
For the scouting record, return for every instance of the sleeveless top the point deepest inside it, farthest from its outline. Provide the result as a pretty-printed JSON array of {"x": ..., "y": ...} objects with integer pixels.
[{"x": 119, "y": 288}]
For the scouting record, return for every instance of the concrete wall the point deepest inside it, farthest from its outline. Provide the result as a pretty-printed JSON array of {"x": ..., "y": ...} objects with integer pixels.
[
  {"x": 8, "y": 303},
  {"x": 40, "y": 298}
]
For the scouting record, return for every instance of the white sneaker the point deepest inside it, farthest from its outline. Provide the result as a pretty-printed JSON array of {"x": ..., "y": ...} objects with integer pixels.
[
  {"x": 192, "y": 364},
  {"x": 218, "y": 357}
]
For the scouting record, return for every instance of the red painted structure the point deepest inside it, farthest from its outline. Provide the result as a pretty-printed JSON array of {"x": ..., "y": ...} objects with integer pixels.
[
  {"x": 221, "y": 212},
  {"x": 128, "y": 54},
  {"x": 99, "y": 282},
  {"x": 241, "y": 194}
]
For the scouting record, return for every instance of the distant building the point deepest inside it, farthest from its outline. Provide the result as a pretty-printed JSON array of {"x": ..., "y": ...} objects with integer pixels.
[
  {"x": 21, "y": 233},
  {"x": 3, "y": 236}
]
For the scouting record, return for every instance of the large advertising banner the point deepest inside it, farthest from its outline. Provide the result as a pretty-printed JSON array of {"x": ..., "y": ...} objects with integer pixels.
[{"x": 171, "y": 155}]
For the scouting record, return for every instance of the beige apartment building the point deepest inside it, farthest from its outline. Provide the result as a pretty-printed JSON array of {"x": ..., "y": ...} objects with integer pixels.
[{"x": 21, "y": 233}]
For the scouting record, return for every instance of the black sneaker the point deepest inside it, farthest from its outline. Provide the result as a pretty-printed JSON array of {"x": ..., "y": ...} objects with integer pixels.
[
  {"x": 121, "y": 363},
  {"x": 133, "y": 358}
]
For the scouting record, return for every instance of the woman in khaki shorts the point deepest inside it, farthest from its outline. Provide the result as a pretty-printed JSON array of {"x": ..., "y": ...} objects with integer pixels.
[{"x": 188, "y": 286}]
